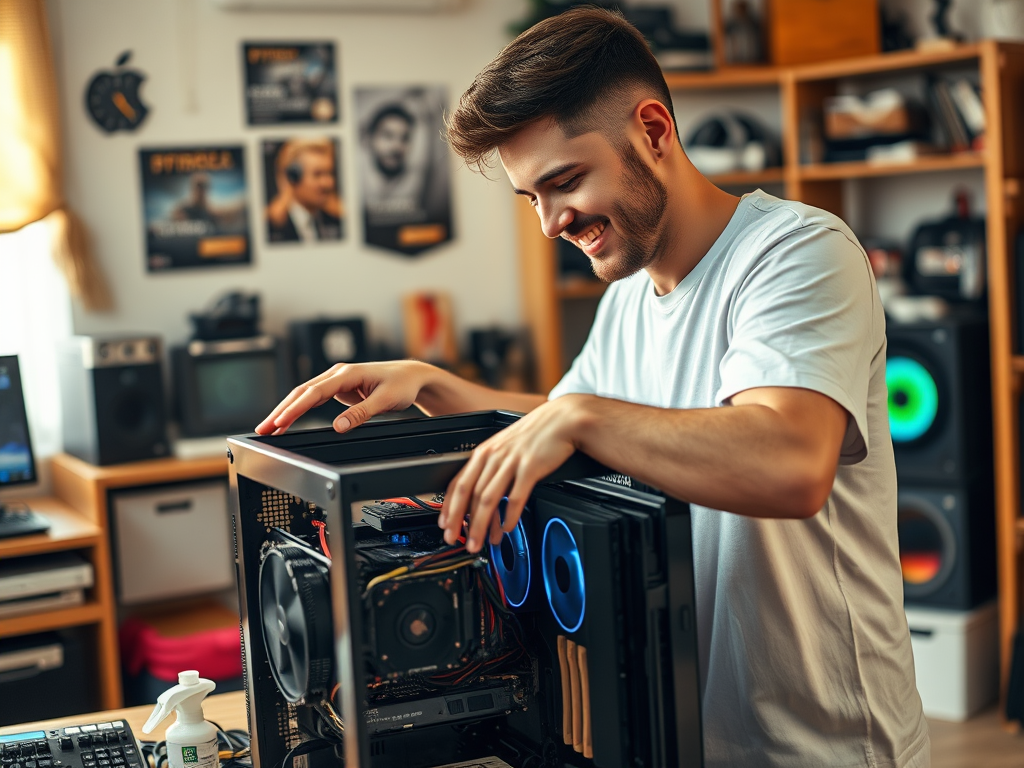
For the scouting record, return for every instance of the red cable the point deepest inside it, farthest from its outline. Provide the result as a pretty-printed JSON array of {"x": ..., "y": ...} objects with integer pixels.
[{"x": 321, "y": 526}]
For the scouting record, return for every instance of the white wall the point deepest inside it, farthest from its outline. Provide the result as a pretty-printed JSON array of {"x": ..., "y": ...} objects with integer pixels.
[
  {"x": 102, "y": 175},
  {"x": 190, "y": 52}
]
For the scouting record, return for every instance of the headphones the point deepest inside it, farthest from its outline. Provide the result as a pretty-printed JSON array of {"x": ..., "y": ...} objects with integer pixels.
[
  {"x": 293, "y": 172},
  {"x": 731, "y": 141}
]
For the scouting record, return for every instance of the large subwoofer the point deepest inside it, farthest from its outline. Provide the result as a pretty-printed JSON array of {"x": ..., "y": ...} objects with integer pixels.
[{"x": 947, "y": 544}]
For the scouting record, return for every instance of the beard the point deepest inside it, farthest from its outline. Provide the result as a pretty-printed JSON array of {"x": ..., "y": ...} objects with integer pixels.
[{"x": 638, "y": 218}]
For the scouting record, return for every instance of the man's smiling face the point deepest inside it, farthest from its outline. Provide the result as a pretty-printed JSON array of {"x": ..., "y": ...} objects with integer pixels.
[{"x": 607, "y": 202}]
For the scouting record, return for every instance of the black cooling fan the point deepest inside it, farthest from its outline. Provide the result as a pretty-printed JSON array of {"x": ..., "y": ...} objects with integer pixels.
[{"x": 295, "y": 605}]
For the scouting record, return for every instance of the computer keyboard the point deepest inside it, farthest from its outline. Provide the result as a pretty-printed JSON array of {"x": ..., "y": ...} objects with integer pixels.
[
  {"x": 97, "y": 745},
  {"x": 21, "y": 521}
]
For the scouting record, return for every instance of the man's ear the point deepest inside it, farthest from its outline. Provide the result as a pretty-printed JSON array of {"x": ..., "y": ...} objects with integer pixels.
[{"x": 655, "y": 121}]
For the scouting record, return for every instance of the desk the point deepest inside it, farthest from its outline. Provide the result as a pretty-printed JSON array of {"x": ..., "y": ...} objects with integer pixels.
[{"x": 225, "y": 709}]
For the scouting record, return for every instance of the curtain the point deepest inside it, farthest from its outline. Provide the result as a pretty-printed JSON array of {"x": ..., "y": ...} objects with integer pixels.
[{"x": 30, "y": 150}]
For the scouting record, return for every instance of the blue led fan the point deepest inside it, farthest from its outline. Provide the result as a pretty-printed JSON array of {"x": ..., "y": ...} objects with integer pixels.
[
  {"x": 563, "y": 575},
  {"x": 511, "y": 559}
]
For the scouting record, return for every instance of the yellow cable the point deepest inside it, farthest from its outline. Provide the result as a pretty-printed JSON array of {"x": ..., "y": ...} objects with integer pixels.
[
  {"x": 385, "y": 576},
  {"x": 433, "y": 571}
]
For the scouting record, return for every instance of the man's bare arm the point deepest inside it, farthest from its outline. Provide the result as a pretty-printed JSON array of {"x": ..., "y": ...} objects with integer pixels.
[
  {"x": 773, "y": 453},
  {"x": 372, "y": 388}
]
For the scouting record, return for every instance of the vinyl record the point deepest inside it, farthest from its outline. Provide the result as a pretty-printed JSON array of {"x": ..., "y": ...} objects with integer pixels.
[
  {"x": 511, "y": 559},
  {"x": 913, "y": 399},
  {"x": 563, "y": 575}
]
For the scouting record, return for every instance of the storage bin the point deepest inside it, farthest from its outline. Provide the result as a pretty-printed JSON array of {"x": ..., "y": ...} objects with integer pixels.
[
  {"x": 956, "y": 659},
  {"x": 172, "y": 541}
]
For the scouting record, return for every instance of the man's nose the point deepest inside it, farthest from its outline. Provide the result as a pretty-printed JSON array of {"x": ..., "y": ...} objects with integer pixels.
[{"x": 553, "y": 219}]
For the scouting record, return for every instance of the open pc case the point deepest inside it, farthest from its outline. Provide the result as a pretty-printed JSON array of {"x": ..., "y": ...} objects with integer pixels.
[{"x": 369, "y": 642}]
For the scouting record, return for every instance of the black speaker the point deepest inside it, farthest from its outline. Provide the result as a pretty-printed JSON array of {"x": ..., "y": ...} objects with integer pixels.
[
  {"x": 940, "y": 400},
  {"x": 113, "y": 399},
  {"x": 319, "y": 344},
  {"x": 947, "y": 544}
]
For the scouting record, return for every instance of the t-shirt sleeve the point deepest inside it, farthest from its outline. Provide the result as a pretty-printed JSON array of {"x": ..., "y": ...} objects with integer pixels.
[{"x": 803, "y": 317}]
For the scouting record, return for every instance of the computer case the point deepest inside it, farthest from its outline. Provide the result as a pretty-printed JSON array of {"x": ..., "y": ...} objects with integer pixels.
[{"x": 599, "y": 576}]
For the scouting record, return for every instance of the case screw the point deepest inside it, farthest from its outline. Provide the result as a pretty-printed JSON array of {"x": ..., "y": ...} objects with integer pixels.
[
  {"x": 330, "y": 490},
  {"x": 231, "y": 457}
]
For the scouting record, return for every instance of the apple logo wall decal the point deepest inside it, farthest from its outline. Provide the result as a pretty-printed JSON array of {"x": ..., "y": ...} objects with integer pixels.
[{"x": 112, "y": 98}]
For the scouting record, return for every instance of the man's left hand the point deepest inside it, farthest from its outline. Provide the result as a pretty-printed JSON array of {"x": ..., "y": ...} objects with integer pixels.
[{"x": 509, "y": 464}]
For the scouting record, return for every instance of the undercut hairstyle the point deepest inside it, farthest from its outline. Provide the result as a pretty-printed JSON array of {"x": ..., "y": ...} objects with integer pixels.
[{"x": 586, "y": 68}]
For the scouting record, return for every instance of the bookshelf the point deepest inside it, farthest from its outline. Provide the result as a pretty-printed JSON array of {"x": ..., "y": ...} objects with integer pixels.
[{"x": 999, "y": 68}]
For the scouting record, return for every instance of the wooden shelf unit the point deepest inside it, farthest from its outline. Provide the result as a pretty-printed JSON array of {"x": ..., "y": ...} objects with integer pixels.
[
  {"x": 71, "y": 530},
  {"x": 78, "y": 521},
  {"x": 1000, "y": 69}
]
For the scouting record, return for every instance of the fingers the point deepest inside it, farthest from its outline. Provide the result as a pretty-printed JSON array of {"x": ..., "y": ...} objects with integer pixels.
[
  {"x": 477, "y": 491},
  {"x": 456, "y": 500},
  {"x": 305, "y": 396},
  {"x": 490, "y": 490},
  {"x": 377, "y": 401}
]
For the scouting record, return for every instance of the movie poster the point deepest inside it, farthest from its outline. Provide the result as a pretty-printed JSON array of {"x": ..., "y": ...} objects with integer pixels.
[
  {"x": 303, "y": 190},
  {"x": 290, "y": 83},
  {"x": 404, "y": 168},
  {"x": 194, "y": 203}
]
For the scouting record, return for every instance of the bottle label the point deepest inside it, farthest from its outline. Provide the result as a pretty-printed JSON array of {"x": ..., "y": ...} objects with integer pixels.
[{"x": 203, "y": 755}]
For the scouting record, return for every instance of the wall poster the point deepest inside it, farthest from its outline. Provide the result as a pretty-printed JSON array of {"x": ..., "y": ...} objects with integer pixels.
[
  {"x": 404, "y": 168},
  {"x": 303, "y": 190},
  {"x": 194, "y": 205},
  {"x": 290, "y": 83}
]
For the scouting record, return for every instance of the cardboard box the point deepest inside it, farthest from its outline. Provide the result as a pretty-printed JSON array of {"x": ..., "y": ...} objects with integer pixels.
[{"x": 805, "y": 31}]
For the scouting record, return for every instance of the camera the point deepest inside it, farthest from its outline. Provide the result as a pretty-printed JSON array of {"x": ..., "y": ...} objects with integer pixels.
[{"x": 369, "y": 641}]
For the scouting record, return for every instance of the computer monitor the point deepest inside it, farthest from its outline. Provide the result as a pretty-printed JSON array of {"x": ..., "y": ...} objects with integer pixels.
[{"x": 17, "y": 462}]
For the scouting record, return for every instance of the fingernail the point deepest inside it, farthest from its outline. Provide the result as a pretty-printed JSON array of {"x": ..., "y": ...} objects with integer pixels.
[
  {"x": 342, "y": 424},
  {"x": 441, "y": 520},
  {"x": 473, "y": 545}
]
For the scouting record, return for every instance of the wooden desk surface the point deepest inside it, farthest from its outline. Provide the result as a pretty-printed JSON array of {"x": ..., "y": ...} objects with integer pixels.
[{"x": 225, "y": 709}]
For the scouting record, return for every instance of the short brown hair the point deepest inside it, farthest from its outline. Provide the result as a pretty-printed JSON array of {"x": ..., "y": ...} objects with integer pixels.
[{"x": 565, "y": 67}]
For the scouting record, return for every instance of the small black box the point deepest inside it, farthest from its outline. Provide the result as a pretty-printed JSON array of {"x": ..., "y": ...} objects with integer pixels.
[{"x": 45, "y": 676}]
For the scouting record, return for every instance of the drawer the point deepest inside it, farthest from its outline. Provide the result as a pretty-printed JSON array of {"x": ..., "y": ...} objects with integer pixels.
[{"x": 172, "y": 541}]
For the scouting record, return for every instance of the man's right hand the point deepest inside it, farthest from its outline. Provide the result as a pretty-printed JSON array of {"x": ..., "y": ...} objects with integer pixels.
[{"x": 367, "y": 388}]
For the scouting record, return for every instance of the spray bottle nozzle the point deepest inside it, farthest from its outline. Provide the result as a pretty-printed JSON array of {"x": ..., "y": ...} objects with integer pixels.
[{"x": 186, "y": 697}]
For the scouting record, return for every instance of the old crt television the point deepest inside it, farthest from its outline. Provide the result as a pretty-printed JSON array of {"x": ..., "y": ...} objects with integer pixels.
[
  {"x": 369, "y": 642},
  {"x": 17, "y": 464},
  {"x": 228, "y": 386}
]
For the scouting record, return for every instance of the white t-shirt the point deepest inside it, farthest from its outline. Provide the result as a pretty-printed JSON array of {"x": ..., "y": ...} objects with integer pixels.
[{"x": 804, "y": 648}]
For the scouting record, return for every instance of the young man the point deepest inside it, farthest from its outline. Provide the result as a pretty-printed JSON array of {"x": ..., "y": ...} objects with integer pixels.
[{"x": 737, "y": 362}]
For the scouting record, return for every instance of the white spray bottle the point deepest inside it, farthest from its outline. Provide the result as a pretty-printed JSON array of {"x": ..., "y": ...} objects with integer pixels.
[{"x": 191, "y": 741}]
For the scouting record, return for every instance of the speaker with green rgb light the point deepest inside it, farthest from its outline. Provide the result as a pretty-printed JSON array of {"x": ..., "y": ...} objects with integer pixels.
[{"x": 940, "y": 412}]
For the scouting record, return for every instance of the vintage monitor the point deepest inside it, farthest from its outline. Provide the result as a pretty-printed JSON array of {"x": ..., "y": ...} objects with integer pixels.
[
  {"x": 367, "y": 640},
  {"x": 227, "y": 386}
]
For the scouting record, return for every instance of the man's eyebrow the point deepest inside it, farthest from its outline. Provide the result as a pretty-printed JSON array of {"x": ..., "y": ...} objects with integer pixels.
[{"x": 553, "y": 173}]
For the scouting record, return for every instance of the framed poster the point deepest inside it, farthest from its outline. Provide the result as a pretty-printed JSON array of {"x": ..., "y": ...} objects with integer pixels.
[
  {"x": 290, "y": 83},
  {"x": 303, "y": 190},
  {"x": 404, "y": 168},
  {"x": 194, "y": 207}
]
